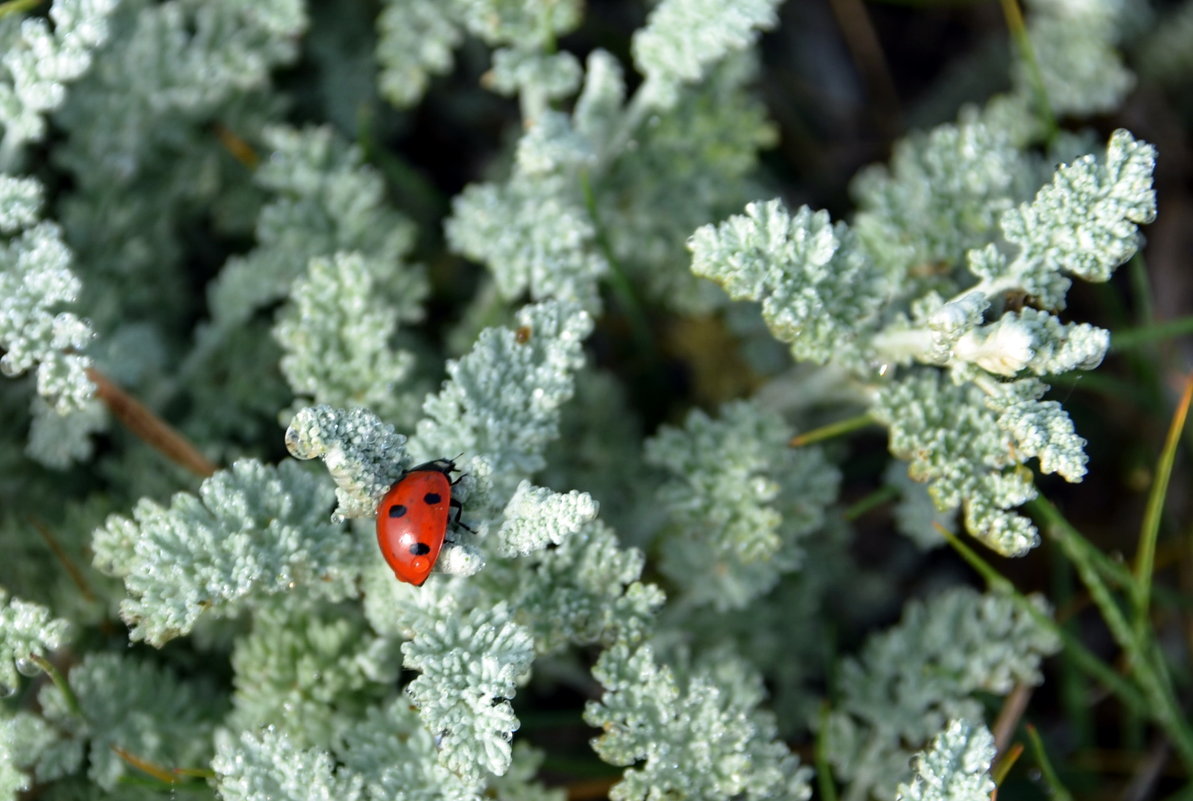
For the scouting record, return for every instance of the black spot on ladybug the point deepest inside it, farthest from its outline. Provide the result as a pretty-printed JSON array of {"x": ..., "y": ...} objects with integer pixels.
[
  {"x": 431, "y": 498},
  {"x": 397, "y": 510},
  {"x": 420, "y": 549}
]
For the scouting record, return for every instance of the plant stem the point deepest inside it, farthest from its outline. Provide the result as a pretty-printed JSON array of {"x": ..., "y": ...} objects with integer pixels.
[
  {"x": 17, "y": 6},
  {"x": 1018, "y": 29},
  {"x": 139, "y": 419},
  {"x": 824, "y": 774},
  {"x": 1055, "y": 788},
  {"x": 831, "y": 430},
  {"x": 875, "y": 499},
  {"x": 1145, "y": 558},
  {"x": 68, "y": 695},
  {"x": 1147, "y": 334}
]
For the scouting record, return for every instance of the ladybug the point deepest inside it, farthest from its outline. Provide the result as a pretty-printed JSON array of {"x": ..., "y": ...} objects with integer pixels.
[{"x": 413, "y": 517}]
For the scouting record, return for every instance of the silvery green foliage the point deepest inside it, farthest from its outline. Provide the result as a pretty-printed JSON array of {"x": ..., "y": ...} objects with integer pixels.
[
  {"x": 1084, "y": 222},
  {"x": 501, "y": 402},
  {"x": 588, "y": 590},
  {"x": 955, "y": 768},
  {"x": 955, "y": 439},
  {"x": 1076, "y": 48},
  {"x": 684, "y": 166},
  {"x": 823, "y": 292},
  {"x": 59, "y": 440},
  {"x": 336, "y": 334},
  {"x": 942, "y": 194},
  {"x": 363, "y": 455},
  {"x": 134, "y": 705},
  {"x": 23, "y": 738},
  {"x": 649, "y": 716},
  {"x": 472, "y": 663},
  {"x": 819, "y": 290},
  {"x": 324, "y": 200},
  {"x": 26, "y": 629},
  {"x": 916, "y": 514},
  {"x": 396, "y": 755},
  {"x": 590, "y": 186},
  {"x": 908, "y": 682},
  {"x": 683, "y": 38},
  {"x": 309, "y": 671},
  {"x": 38, "y": 61},
  {"x": 250, "y": 766},
  {"x": 252, "y": 531},
  {"x": 532, "y": 231},
  {"x": 739, "y": 499},
  {"x": 20, "y": 203},
  {"x": 35, "y": 279},
  {"x": 141, "y": 144},
  {"x": 416, "y": 37},
  {"x": 536, "y": 517},
  {"x": 537, "y": 77}
]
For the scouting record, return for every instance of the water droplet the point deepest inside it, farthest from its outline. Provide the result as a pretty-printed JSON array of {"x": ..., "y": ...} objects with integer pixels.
[
  {"x": 6, "y": 691},
  {"x": 27, "y": 667}
]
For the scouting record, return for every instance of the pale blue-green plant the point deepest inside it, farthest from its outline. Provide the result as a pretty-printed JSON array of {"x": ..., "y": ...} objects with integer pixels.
[
  {"x": 955, "y": 768},
  {"x": 27, "y": 630},
  {"x": 957, "y": 344},
  {"x": 908, "y": 682},
  {"x": 739, "y": 501},
  {"x": 247, "y": 257}
]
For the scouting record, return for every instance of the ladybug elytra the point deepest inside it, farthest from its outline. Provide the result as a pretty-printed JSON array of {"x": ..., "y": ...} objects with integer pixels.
[{"x": 412, "y": 519}]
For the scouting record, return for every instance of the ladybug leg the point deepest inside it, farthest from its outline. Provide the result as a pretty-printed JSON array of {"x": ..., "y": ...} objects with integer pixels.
[{"x": 459, "y": 507}]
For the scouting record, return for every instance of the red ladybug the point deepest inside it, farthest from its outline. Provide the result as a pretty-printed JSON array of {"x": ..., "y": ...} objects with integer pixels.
[{"x": 412, "y": 519}]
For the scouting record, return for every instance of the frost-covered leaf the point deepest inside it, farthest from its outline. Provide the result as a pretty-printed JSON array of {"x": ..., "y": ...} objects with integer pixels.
[
  {"x": 309, "y": 672},
  {"x": 59, "y": 440},
  {"x": 586, "y": 590},
  {"x": 696, "y": 737},
  {"x": 536, "y": 76},
  {"x": 1085, "y": 222},
  {"x": 24, "y": 740},
  {"x": 337, "y": 333},
  {"x": 533, "y": 234},
  {"x": 911, "y": 680},
  {"x": 20, "y": 203},
  {"x": 363, "y": 455},
  {"x": 683, "y": 38},
  {"x": 501, "y": 402},
  {"x": 818, "y": 291},
  {"x": 536, "y": 517},
  {"x": 252, "y": 531},
  {"x": 393, "y": 751},
  {"x": 1075, "y": 50},
  {"x": 471, "y": 664},
  {"x": 415, "y": 39},
  {"x": 941, "y": 195},
  {"x": 325, "y": 200},
  {"x": 740, "y": 501},
  {"x": 35, "y": 278},
  {"x": 26, "y": 629},
  {"x": 955, "y": 768},
  {"x": 138, "y": 706},
  {"x": 953, "y": 442},
  {"x": 250, "y": 766},
  {"x": 36, "y": 66}
]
